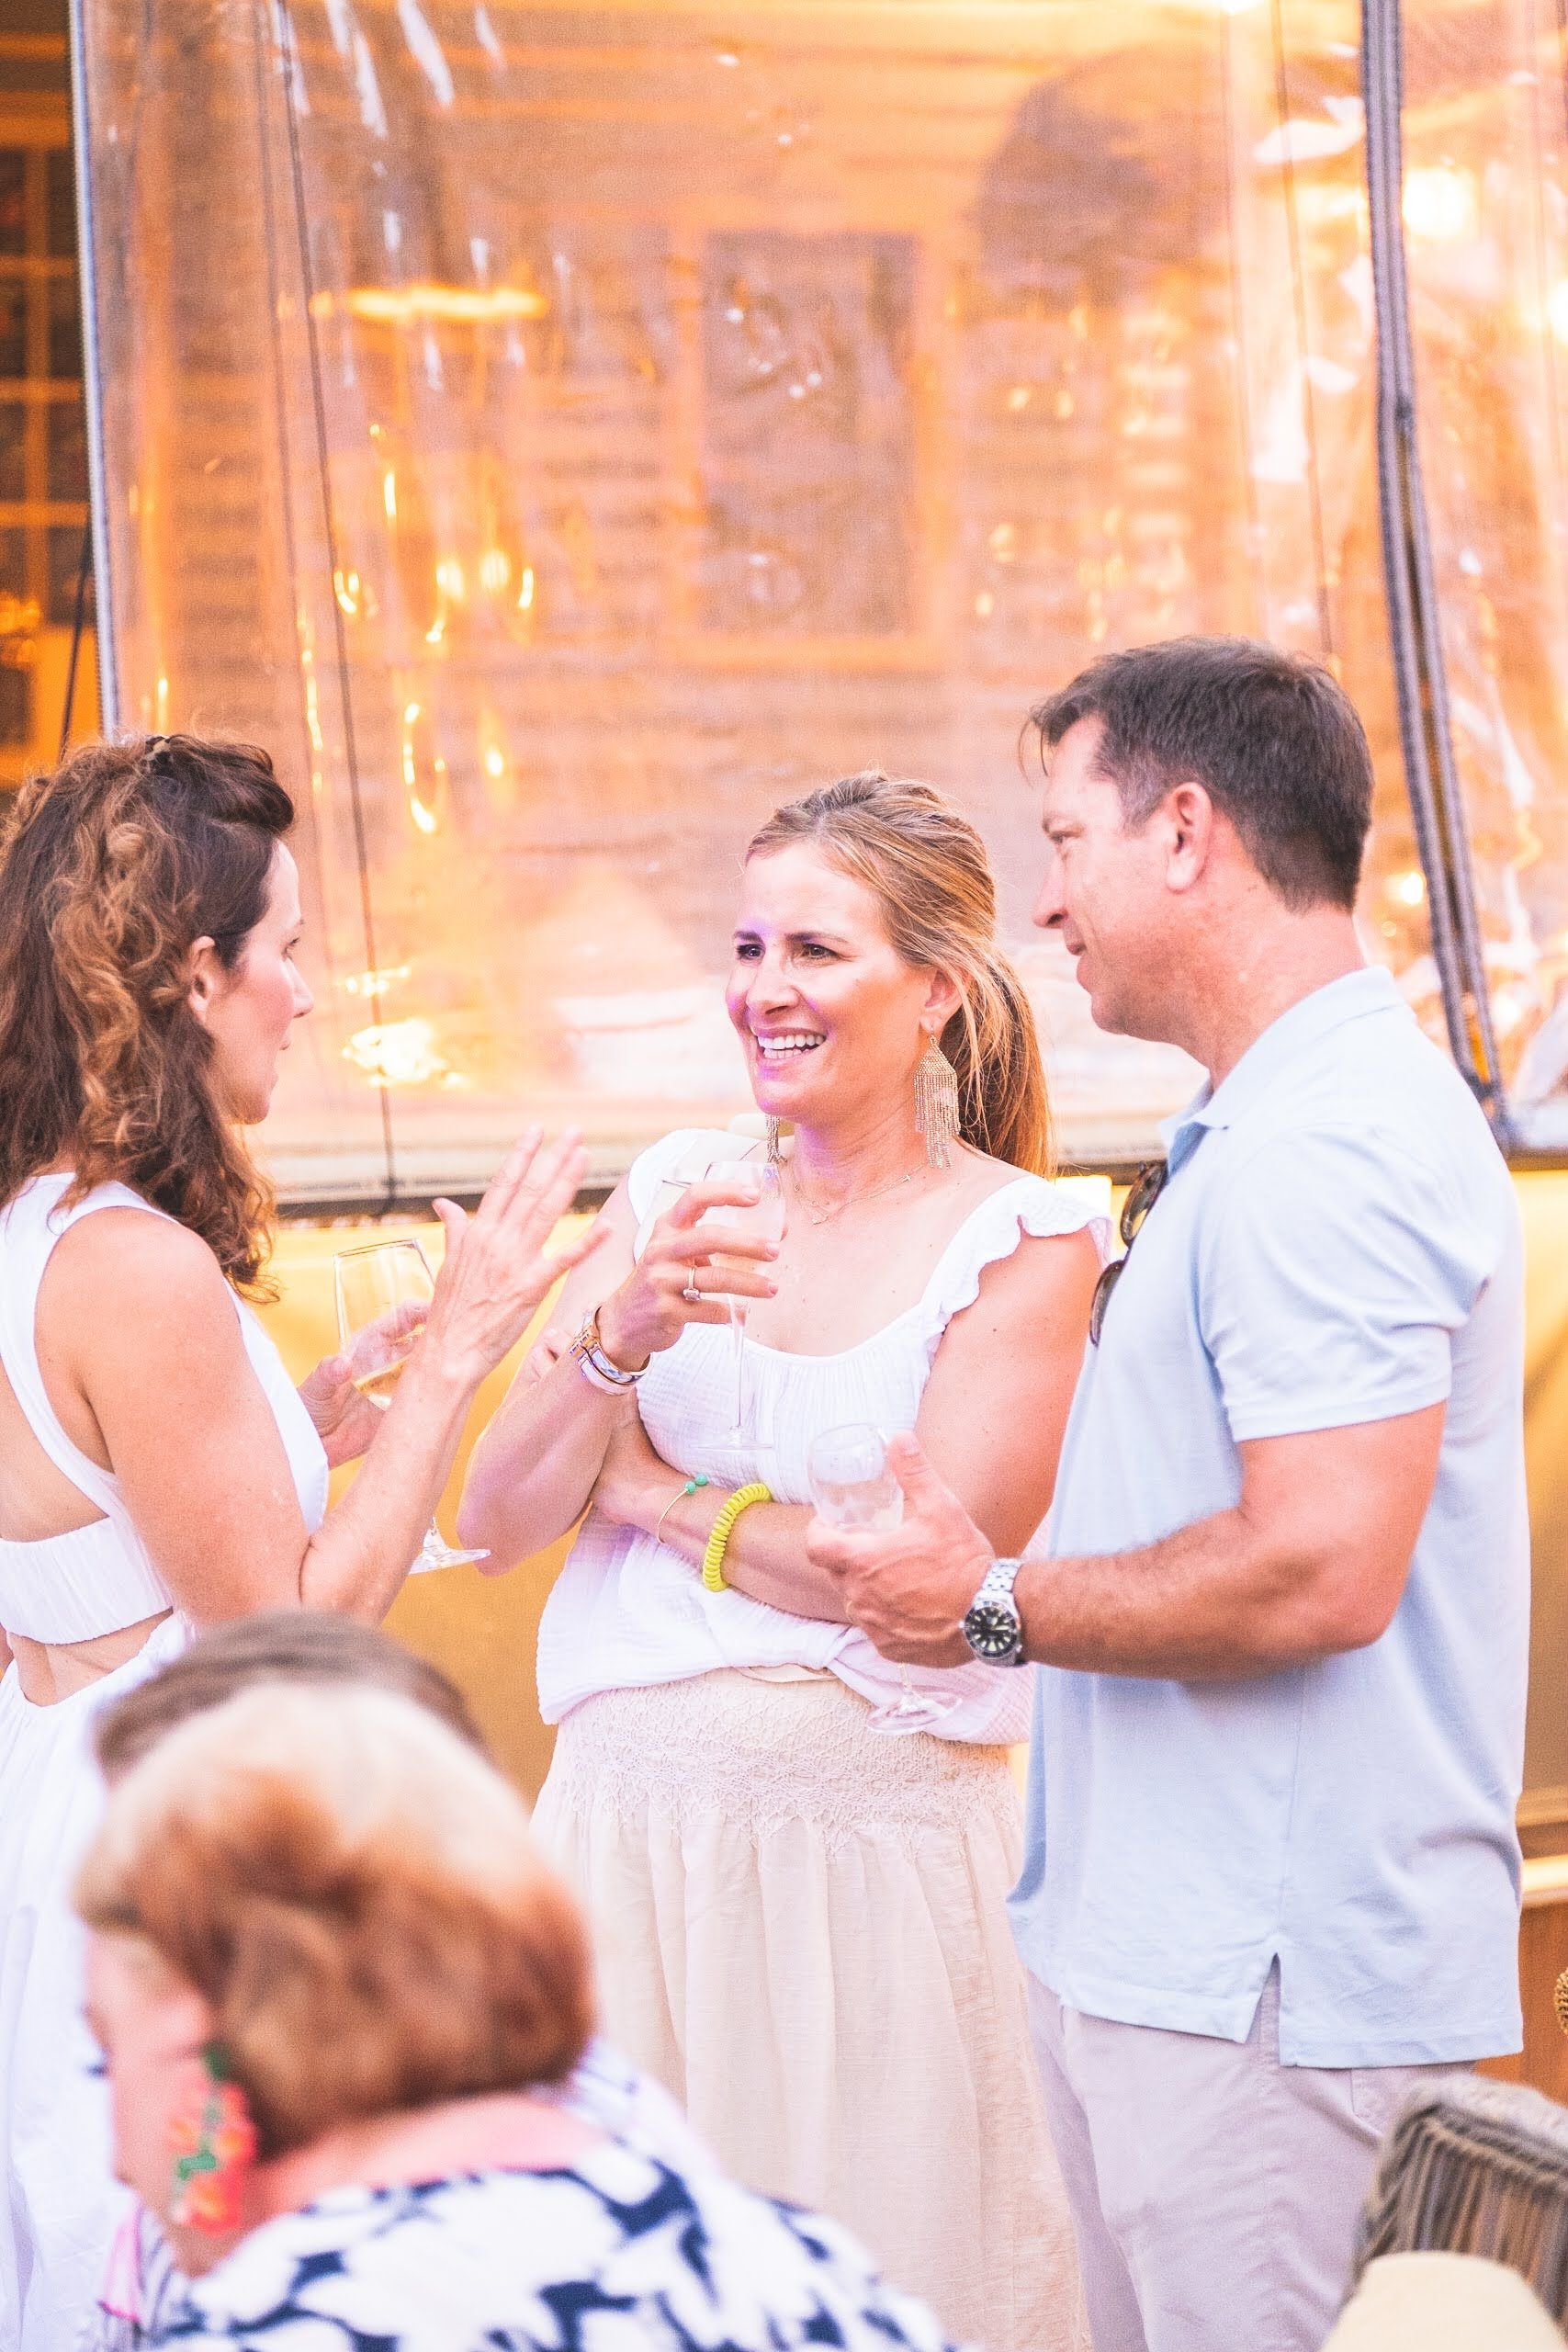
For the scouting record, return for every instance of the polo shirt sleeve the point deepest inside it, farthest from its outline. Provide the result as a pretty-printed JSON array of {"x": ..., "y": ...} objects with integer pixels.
[{"x": 1334, "y": 1270}]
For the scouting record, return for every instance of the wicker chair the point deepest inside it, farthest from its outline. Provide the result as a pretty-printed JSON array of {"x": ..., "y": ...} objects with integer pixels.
[{"x": 1476, "y": 2167}]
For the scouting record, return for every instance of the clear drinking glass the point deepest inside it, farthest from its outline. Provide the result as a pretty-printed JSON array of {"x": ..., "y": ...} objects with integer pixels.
[
  {"x": 375, "y": 1285},
  {"x": 853, "y": 1485},
  {"x": 764, "y": 1217}
]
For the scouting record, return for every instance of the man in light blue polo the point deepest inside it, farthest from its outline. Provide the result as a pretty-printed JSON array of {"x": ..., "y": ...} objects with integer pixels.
[{"x": 1282, "y": 1600}]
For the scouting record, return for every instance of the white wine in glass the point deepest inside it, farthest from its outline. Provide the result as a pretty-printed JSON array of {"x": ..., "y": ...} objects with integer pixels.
[
  {"x": 765, "y": 1217},
  {"x": 384, "y": 1290},
  {"x": 853, "y": 1486}
]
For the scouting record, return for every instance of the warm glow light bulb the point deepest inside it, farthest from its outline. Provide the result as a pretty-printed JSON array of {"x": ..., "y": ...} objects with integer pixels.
[
  {"x": 1440, "y": 202},
  {"x": 397, "y": 1053}
]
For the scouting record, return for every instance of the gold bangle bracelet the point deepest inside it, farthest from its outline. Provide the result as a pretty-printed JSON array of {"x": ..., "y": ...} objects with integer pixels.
[
  {"x": 689, "y": 1488},
  {"x": 713, "y": 1556}
]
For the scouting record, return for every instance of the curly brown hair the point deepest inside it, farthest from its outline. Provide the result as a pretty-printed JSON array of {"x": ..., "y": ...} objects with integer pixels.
[{"x": 113, "y": 866}]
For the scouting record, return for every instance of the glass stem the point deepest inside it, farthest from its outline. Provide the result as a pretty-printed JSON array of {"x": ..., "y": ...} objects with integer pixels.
[{"x": 737, "y": 1325}]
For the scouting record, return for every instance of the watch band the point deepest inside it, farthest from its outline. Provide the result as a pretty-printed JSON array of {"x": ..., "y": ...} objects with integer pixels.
[
  {"x": 997, "y": 1582},
  {"x": 992, "y": 1627}
]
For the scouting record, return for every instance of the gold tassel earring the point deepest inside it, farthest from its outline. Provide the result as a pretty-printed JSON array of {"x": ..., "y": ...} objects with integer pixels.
[
  {"x": 936, "y": 1104},
  {"x": 774, "y": 1155}
]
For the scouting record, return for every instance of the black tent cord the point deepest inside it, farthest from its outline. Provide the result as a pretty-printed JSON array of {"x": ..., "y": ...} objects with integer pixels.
[{"x": 78, "y": 628}]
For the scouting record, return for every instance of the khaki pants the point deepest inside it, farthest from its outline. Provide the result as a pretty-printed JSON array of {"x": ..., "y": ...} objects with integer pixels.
[{"x": 1213, "y": 2192}]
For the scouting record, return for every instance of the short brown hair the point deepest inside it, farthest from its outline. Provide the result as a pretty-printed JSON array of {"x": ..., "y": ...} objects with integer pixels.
[
  {"x": 290, "y": 1645},
  {"x": 354, "y": 1893},
  {"x": 1271, "y": 737},
  {"x": 112, "y": 868}
]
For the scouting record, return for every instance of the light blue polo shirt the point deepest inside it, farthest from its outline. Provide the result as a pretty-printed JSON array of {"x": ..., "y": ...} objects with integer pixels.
[{"x": 1338, "y": 1242}]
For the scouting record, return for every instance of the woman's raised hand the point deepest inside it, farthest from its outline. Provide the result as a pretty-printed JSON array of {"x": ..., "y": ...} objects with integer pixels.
[
  {"x": 346, "y": 1421},
  {"x": 654, "y": 1305},
  {"x": 497, "y": 1267}
]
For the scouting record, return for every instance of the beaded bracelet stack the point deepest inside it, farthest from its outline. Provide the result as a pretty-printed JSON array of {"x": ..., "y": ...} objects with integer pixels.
[{"x": 596, "y": 1365}]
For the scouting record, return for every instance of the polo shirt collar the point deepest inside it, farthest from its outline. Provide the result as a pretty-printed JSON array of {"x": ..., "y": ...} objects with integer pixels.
[{"x": 1304, "y": 1025}]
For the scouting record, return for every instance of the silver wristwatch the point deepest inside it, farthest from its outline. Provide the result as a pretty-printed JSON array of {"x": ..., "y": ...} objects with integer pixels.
[{"x": 993, "y": 1628}]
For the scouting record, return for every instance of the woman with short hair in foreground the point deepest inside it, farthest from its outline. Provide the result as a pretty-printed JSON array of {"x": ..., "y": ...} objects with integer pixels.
[
  {"x": 323, "y": 1957},
  {"x": 309, "y": 1648}
]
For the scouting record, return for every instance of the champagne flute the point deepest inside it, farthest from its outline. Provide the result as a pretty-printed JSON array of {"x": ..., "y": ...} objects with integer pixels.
[
  {"x": 764, "y": 1217},
  {"x": 853, "y": 1485},
  {"x": 377, "y": 1285}
]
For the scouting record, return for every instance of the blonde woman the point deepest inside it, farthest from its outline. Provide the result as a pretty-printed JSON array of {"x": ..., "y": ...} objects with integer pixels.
[
  {"x": 799, "y": 1923},
  {"x": 336, "y": 1991}
]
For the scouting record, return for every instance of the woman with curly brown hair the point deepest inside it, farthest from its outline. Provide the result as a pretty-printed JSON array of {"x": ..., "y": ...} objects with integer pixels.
[{"x": 157, "y": 1469}]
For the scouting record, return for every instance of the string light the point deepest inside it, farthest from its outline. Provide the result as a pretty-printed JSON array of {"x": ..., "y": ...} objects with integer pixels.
[
  {"x": 401, "y": 306},
  {"x": 374, "y": 984},
  {"x": 1439, "y": 203},
  {"x": 398, "y": 1053}
]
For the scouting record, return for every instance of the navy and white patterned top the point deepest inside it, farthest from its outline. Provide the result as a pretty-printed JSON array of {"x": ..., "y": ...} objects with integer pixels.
[{"x": 618, "y": 2254}]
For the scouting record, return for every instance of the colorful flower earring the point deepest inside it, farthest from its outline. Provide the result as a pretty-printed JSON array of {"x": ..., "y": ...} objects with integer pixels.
[{"x": 213, "y": 2142}]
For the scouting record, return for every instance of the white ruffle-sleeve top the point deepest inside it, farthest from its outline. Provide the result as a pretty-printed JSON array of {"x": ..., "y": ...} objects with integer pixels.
[{"x": 627, "y": 1611}]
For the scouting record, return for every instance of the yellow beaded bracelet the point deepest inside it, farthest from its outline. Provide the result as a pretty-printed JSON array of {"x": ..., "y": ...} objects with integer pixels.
[{"x": 713, "y": 1555}]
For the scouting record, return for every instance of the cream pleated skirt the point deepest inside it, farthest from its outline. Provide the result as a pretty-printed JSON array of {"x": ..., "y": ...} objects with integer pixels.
[{"x": 800, "y": 1930}]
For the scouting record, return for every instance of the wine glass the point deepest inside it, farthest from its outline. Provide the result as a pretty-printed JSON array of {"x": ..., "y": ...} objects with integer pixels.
[
  {"x": 764, "y": 1217},
  {"x": 377, "y": 1286},
  {"x": 853, "y": 1485}
]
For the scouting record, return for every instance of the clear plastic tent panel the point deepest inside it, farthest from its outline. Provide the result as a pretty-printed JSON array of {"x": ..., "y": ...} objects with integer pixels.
[
  {"x": 1486, "y": 229},
  {"x": 562, "y": 433}
]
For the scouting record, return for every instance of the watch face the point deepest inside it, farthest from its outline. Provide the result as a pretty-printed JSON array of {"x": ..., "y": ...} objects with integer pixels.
[{"x": 992, "y": 1629}]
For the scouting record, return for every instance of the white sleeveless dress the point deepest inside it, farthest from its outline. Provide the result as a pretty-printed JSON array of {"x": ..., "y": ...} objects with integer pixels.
[
  {"x": 798, "y": 1922},
  {"x": 61, "y": 2205}
]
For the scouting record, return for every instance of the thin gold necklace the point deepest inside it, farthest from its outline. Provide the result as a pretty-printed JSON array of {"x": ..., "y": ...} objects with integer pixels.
[{"x": 826, "y": 1216}]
